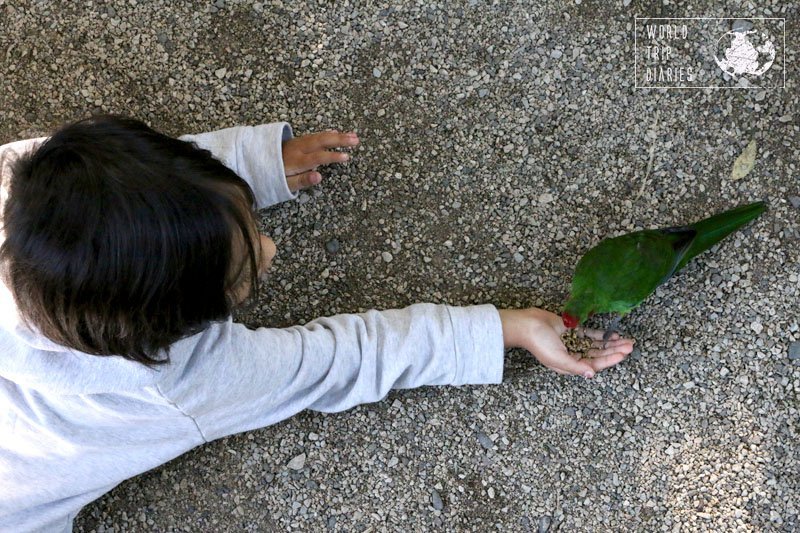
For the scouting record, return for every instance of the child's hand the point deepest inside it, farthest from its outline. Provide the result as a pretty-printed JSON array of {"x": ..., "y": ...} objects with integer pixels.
[
  {"x": 539, "y": 332},
  {"x": 302, "y": 155}
]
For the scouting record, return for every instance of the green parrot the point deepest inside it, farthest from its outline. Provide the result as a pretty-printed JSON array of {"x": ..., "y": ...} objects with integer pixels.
[{"x": 619, "y": 273}]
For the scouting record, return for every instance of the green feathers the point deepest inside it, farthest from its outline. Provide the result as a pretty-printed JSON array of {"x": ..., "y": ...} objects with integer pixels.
[{"x": 619, "y": 273}]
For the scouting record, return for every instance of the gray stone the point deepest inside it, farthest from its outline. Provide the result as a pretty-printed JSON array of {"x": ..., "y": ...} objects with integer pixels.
[
  {"x": 485, "y": 441},
  {"x": 795, "y": 201},
  {"x": 332, "y": 246},
  {"x": 436, "y": 500},
  {"x": 742, "y": 25},
  {"x": 297, "y": 462},
  {"x": 794, "y": 351}
]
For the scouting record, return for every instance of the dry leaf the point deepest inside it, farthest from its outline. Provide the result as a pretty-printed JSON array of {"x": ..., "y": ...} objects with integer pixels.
[{"x": 744, "y": 163}]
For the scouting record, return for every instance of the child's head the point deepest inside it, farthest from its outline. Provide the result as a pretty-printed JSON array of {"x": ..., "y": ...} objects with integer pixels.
[{"x": 121, "y": 240}]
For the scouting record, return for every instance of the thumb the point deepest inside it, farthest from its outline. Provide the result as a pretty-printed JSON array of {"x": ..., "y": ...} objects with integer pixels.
[{"x": 303, "y": 181}]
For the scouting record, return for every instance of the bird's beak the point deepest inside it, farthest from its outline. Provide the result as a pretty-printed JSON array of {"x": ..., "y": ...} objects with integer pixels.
[{"x": 569, "y": 320}]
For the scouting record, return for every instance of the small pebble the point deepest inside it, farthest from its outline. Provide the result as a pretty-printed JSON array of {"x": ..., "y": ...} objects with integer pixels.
[
  {"x": 376, "y": 72},
  {"x": 386, "y": 257},
  {"x": 436, "y": 500},
  {"x": 298, "y": 462},
  {"x": 332, "y": 246},
  {"x": 485, "y": 441},
  {"x": 794, "y": 351}
]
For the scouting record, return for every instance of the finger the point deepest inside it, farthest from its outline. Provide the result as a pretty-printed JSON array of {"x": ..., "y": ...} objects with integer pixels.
[
  {"x": 329, "y": 139},
  {"x": 597, "y": 334},
  {"x": 601, "y": 363},
  {"x": 612, "y": 344},
  {"x": 303, "y": 181},
  {"x": 624, "y": 348},
  {"x": 315, "y": 159}
]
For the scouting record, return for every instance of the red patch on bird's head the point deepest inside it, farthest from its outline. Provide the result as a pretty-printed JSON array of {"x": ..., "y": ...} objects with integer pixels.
[{"x": 569, "y": 320}]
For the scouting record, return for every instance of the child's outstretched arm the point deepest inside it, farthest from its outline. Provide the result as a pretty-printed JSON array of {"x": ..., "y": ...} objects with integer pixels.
[{"x": 231, "y": 379}]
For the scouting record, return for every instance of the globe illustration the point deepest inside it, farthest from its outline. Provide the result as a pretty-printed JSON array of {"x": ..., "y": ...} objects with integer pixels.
[{"x": 741, "y": 56}]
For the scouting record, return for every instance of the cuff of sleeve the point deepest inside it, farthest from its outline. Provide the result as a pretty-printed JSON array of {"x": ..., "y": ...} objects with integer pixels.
[
  {"x": 263, "y": 153},
  {"x": 478, "y": 335}
]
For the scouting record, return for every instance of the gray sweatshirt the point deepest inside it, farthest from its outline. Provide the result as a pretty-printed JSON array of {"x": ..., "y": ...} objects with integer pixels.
[{"x": 74, "y": 425}]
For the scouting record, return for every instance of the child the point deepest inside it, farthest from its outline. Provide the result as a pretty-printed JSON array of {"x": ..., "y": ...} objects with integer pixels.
[{"x": 124, "y": 251}]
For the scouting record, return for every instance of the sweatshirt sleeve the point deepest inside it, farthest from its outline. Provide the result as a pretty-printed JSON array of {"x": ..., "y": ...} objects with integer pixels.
[
  {"x": 255, "y": 153},
  {"x": 235, "y": 379}
]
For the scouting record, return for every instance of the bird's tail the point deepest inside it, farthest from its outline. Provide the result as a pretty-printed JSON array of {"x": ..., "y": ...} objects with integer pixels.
[{"x": 713, "y": 229}]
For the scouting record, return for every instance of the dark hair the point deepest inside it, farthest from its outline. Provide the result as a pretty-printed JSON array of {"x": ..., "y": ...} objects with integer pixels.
[{"x": 121, "y": 240}]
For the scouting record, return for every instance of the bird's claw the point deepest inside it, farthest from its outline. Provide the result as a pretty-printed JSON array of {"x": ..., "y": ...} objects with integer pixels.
[
  {"x": 607, "y": 335},
  {"x": 612, "y": 328}
]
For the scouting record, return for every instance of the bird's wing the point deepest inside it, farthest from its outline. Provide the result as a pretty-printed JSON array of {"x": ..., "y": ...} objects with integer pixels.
[
  {"x": 622, "y": 271},
  {"x": 683, "y": 238}
]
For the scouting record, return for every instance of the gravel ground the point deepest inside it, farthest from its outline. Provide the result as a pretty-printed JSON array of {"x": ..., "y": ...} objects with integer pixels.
[{"x": 499, "y": 142}]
